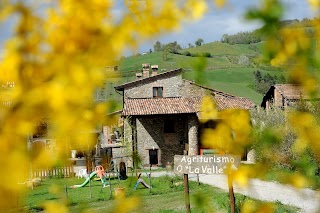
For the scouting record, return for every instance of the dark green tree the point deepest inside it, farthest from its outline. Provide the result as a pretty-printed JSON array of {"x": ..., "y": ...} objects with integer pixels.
[
  {"x": 199, "y": 42},
  {"x": 157, "y": 46}
]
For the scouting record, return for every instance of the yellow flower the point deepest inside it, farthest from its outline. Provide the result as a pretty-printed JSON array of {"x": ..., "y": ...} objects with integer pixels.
[
  {"x": 239, "y": 121},
  {"x": 315, "y": 4},
  {"x": 52, "y": 207},
  {"x": 124, "y": 205},
  {"x": 249, "y": 207},
  {"x": 220, "y": 3},
  {"x": 219, "y": 138},
  {"x": 298, "y": 180},
  {"x": 208, "y": 110},
  {"x": 197, "y": 8},
  {"x": 280, "y": 59}
]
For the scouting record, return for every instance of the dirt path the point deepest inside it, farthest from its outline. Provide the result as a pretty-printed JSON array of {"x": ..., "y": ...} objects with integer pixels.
[{"x": 305, "y": 199}]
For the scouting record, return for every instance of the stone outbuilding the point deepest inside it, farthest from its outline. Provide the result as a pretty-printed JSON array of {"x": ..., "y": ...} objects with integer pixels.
[
  {"x": 161, "y": 114},
  {"x": 284, "y": 95}
]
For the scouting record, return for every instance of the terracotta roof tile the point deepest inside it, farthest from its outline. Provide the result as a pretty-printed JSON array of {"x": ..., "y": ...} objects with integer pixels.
[
  {"x": 233, "y": 103},
  {"x": 179, "y": 105},
  {"x": 156, "y": 106},
  {"x": 292, "y": 91}
]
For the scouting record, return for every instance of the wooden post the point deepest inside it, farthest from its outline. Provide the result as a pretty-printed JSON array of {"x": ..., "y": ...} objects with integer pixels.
[
  {"x": 150, "y": 179},
  {"x": 186, "y": 192},
  {"x": 90, "y": 187},
  {"x": 66, "y": 190},
  {"x": 31, "y": 176},
  {"x": 231, "y": 194},
  {"x": 110, "y": 185},
  {"x": 198, "y": 180}
]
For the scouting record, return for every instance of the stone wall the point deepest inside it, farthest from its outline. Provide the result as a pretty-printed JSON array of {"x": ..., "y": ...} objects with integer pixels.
[
  {"x": 127, "y": 131},
  {"x": 127, "y": 142},
  {"x": 192, "y": 90},
  {"x": 171, "y": 88},
  {"x": 150, "y": 135},
  {"x": 278, "y": 98},
  {"x": 193, "y": 135}
]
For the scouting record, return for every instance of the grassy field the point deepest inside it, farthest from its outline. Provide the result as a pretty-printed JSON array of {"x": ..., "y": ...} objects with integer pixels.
[
  {"x": 222, "y": 49},
  {"x": 166, "y": 196},
  {"x": 236, "y": 81},
  {"x": 131, "y": 65}
]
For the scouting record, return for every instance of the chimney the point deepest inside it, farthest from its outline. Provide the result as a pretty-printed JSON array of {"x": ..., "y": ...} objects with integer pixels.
[
  {"x": 138, "y": 75},
  {"x": 154, "y": 69},
  {"x": 146, "y": 70}
]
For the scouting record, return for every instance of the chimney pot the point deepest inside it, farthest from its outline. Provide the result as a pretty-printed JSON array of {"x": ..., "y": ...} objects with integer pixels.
[
  {"x": 146, "y": 70},
  {"x": 138, "y": 75},
  {"x": 154, "y": 69}
]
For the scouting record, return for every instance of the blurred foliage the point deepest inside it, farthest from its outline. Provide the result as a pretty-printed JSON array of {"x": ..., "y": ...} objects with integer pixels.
[
  {"x": 281, "y": 137},
  {"x": 55, "y": 59},
  {"x": 291, "y": 138},
  {"x": 277, "y": 145}
]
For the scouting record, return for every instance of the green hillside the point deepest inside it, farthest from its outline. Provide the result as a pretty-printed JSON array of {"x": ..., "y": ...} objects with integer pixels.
[
  {"x": 220, "y": 52},
  {"x": 236, "y": 81},
  {"x": 222, "y": 49},
  {"x": 224, "y": 70}
]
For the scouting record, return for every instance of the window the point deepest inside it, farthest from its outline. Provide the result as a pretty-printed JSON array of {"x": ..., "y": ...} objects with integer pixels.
[
  {"x": 169, "y": 126},
  {"x": 157, "y": 92}
]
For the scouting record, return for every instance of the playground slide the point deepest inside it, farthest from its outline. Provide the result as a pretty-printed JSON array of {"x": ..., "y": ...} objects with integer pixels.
[
  {"x": 91, "y": 176},
  {"x": 142, "y": 182}
]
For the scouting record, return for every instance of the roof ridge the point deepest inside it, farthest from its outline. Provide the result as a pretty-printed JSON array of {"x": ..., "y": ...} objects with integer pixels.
[
  {"x": 148, "y": 78},
  {"x": 159, "y": 98},
  {"x": 214, "y": 90}
]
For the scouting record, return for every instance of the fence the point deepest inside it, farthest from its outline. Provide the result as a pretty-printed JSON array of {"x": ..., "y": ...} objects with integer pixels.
[{"x": 57, "y": 172}]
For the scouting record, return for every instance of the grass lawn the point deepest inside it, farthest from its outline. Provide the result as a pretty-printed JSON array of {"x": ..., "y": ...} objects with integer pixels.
[{"x": 167, "y": 195}]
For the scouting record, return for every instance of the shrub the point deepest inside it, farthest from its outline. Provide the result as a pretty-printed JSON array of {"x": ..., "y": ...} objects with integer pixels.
[
  {"x": 273, "y": 139},
  {"x": 187, "y": 53},
  {"x": 206, "y": 54}
]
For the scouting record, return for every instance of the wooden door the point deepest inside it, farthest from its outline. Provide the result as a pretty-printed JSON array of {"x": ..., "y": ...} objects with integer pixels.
[{"x": 153, "y": 155}]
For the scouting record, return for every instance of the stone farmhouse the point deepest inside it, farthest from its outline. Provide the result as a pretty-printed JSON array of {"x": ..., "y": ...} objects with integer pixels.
[
  {"x": 283, "y": 96},
  {"x": 160, "y": 114}
]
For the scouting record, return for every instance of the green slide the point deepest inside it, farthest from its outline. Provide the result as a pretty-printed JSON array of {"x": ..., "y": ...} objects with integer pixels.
[{"x": 91, "y": 176}]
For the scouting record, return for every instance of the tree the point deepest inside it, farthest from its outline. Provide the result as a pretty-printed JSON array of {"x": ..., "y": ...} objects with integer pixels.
[
  {"x": 257, "y": 76},
  {"x": 166, "y": 50},
  {"x": 157, "y": 46},
  {"x": 190, "y": 45},
  {"x": 281, "y": 79},
  {"x": 172, "y": 47},
  {"x": 198, "y": 42},
  {"x": 225, "y": 38}
]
